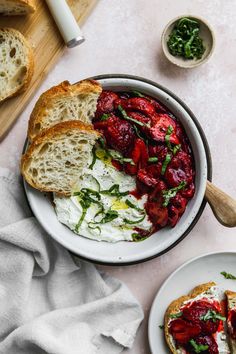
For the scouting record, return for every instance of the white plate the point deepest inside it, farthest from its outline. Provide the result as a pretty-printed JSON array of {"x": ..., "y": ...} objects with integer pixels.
[
  {"x": 197, "y": 271},
  {"x": 131, "y": 252}
]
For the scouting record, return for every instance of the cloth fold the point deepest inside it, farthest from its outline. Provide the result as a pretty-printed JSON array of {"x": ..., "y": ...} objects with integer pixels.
[{"x": 50, "y": 302}]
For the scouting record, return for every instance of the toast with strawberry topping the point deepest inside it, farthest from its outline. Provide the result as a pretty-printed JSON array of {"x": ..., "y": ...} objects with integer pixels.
[
  {"x": 231, "y": 320},
  {"x": 195, "y": 323}
]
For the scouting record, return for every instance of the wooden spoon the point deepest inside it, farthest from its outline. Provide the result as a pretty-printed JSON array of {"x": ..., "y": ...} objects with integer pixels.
[{"x": 222, "y": 205}]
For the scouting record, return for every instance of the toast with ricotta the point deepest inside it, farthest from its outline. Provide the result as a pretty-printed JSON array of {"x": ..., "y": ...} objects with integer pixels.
[
  {"x": 17, "y": 63},
  {"x": 17, "y": 7},
  {"x": 64, "y": 102},
  {"x": 194, "y": 323},
  {"x": 55, "y": 159},
  {"x": 231, "y": 320}
]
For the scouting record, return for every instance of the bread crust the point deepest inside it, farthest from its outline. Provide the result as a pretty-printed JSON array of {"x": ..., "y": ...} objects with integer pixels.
[
  {"x": 175, "y": 306},
  {"x": 30, "y": 6},
  {"x": 30, "y": 68},
  {"x": 47, "y": 136},
  {"x": 47, "y": 98}
]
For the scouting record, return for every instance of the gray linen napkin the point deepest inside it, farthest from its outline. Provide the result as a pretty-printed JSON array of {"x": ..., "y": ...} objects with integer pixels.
[{"x": 50, "y": 302}]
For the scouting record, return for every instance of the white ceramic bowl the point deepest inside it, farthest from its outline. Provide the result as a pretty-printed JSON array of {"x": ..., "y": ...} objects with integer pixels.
[
  {"x": 132, "y": 252},
  {"x": 207, "y": 35}
]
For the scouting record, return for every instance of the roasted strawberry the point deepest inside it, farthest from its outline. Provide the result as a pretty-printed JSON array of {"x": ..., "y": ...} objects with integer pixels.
[
  {"x": 150, "y": 175},
  {"x": 159, "y": 151},
  {"x": 188, "y": 192},
  {"x": 136, "y": 104},
  {"x": 157, "y": 213},
  {"x": 179, "y": 202},
  {"x": 179, "y": 169},
  {"x": 158, "y": 107},
  {"x": 119, "y": 134},
  {"x": 105, "y": 103},
  {"x": 173, "y": 215},
  {"x": 204, "y": 340},
  {"x": 160, "y": 126},
  {"x": 195, "y": 313},
  {"x": 139, "y": 156},
  {"x": 157, "y": 192},
  {"x": 183, "y": 331}
]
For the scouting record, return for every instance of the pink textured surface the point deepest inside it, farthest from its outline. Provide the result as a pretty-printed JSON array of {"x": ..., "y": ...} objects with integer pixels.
[{"x": 124, "y": 37}]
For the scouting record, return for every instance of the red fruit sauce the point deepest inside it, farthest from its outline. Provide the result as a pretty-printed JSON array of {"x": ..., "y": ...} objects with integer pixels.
[{"x": 142, "y": 130}]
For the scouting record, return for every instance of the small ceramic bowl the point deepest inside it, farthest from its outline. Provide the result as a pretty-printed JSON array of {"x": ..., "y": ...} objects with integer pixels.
[
  {"x": 207, "y": 35},
  {"x": 123, "y": 253}
]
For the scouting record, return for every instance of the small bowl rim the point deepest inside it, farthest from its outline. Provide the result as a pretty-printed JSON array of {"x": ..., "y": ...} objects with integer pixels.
[{"x": 185, "y": 65}]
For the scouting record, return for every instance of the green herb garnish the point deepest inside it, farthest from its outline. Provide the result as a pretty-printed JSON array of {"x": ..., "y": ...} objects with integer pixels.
[
  {"x": 170, "y": 193},
  {"x": 94, "y": 158},
  {"x": 109, "y": 216},
  {"x": 212, "y": 315},
  {"x": 184, "y": 40},
  {"x": 165, "y": 163},
  {"x": 161, "y": 326},
  {"x": 153, "y": 159},
  {"x": 125, "y": 116},
  {"x": 137, "y": 237},
  {"x": 133, "y": 206},
  {"x": 167, "y": 140},
  {"x": 176, "y": 315},
  {"x": 117, "y": 156},
  {"x": 228, "y": 276},
  {"x": 105, "y": 116},
  {"x": 198, "y": 348},
  {"x": 133, "y": 222},
  {"x": 138, "y": 94},
  {"x": 91, "y": 226},
  {"x": 114, "y": 191}
]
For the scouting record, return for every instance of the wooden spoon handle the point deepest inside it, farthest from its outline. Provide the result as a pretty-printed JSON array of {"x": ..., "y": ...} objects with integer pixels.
[{"x": 222, "y": 205}]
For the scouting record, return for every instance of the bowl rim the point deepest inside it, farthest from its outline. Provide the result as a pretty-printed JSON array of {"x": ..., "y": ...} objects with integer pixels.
[
  {"x": 208, "y": 160},
  {"x": 168, "y": 55}
]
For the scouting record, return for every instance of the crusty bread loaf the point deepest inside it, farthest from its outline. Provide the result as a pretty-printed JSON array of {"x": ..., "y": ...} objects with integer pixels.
[
  {"x": 64, "y": 102},
  {"x": 55, "y": 159},
  {"x": 16, "y": 63},
  {"x": 231, "y": 304},
  {"x": 175, "y": 306},
  {"x": 17, "y": 7}
]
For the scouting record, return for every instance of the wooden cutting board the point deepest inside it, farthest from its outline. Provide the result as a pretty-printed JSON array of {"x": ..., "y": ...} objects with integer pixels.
[{"x": 48, "y": 46}]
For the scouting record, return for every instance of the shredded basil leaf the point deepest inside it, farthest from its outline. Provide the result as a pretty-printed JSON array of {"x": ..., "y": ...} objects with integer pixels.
[
  {"x": 137, "y": 237},
  {"x": 94, "y": 158},
  {"x": 114, "y": 191},
  {"x": 174, "y": 149},
  {"x": 133, "y": 222},
  {"x": 138, "y": 94},
  {"x": 117, "y": 156},
  {"x": 105, "y": 116},
  {"x": 153, "y": 159},
  {"x": 228, "y": 276},
  {"x": 184, "y": 40},
  {"x": 125, "y": 116},
  {"x": 170, "y": 193},
  {"x": 133, "y": 206},
  {"x": 109, "y": 216},
  {"x": 94, "y": 227},
  {"x": 165, "y": 163},
  {"x": 198, "y": 348},
  {"x": 161, "y": 326},
  {"x": 176, "y": 315},
  {"x": 212, "y": 315}
]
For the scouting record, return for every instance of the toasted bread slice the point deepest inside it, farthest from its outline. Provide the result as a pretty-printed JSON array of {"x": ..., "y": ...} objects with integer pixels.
[
  {"x": 199, "y": 292},
  {"x": 55, "y": 159},
  {"x": 62, "y": 103},
  {"x": 17, "y": 7},
  {"x": 231, "y": 305},
  {"x": 17, "y": 63}
]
